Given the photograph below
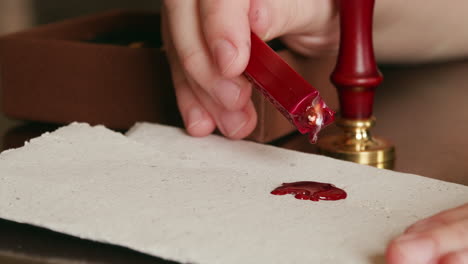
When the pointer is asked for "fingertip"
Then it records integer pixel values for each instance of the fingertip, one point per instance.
(203, 129)
(245, 95)
(252, 113)
(393, 254)
(197, 120)
(259, 20)
(225, 54)
(199, 123)
(458, 257)
(251, 123)
(226, 30)
(231, 57)
(238, 125)
(233, 94)
(411, 248)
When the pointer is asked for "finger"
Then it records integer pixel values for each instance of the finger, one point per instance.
(196, 119)
(274, 18)
(430, 245)
(195, 58)
(239, 125)
(198, 122)
(440, 219)
(225, 24)
(233, 124)
(459, 257)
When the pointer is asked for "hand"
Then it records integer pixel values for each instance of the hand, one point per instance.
(208, 47)
(440, 239)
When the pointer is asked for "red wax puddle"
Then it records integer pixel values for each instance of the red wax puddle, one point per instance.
(309, 190)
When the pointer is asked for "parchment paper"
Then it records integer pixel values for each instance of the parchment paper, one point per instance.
(207, 200)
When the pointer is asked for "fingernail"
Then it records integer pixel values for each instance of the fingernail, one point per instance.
(225, 53)
(233, 122)
(266, 37)
(416, 249)
(195, 116)
(227, 93)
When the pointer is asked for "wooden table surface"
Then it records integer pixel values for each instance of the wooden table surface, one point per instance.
(422, 109)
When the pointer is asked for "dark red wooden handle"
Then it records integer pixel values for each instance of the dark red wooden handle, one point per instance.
(356, 74)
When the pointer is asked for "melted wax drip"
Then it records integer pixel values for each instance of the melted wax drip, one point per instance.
(308, 190)
(315, 117)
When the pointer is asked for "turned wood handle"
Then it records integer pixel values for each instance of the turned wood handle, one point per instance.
(356, 74)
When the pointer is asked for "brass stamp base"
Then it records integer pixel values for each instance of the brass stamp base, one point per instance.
(357, 145)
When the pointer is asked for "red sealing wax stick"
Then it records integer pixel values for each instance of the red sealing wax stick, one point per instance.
(296, 99)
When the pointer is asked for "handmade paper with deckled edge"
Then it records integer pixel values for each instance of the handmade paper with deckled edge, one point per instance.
(206, 200)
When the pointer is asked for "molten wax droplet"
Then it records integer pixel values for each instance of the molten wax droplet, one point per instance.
(312, 116)
(315, 117)
(309, 190)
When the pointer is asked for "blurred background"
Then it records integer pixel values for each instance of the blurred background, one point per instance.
(16, 15)
(19, 14)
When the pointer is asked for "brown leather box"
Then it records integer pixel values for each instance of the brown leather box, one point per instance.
(88, 69)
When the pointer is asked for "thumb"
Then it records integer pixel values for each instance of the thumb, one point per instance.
(274, 18)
